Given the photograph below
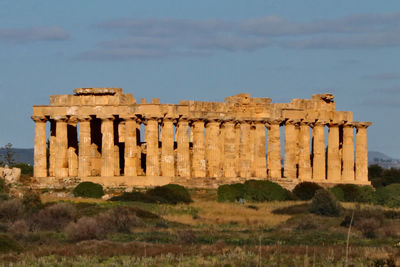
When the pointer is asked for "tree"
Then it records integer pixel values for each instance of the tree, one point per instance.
(9, 155)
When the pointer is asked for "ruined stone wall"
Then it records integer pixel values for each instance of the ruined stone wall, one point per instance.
(97, 134)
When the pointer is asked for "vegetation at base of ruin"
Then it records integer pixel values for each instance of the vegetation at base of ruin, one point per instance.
(325, 203)
(88, 189)
(253, 191)
(382, 177)
(67, 231)
(389, 195)
(166, 194)
(306, 190)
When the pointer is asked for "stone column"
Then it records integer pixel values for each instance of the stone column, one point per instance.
(107, 146)
(361, 152)
(130, 146)
(72, 147)
(237, 148)
(183, 155)
(318, 170)
(229, 151)
(260, 156)
(304, 155)
(289, 169)
(39, 158)
(152, 156)
(167, 148)
(52, 148)
(348, 153)
(61, 164)
(274, 149)
(333, 161)
(199, 162)
(212, 148)
(245, 156)
(84, 159)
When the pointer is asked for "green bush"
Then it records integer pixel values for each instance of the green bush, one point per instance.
(253, 191)
(8, 244)
(25, 168)
(88, 189)
(389, 195)
(354, 193)
(306, 190)
(324, 203)
(259, 191)
(3, 186)
(337, 192)
(134, 196)
(170, 193)
(230, 192)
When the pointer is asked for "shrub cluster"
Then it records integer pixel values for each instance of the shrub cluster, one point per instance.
(389, 195)
(354, 193)
(306, 190)
(325, 203)
(367, 220)
(88, 189)
(253, 191)
(168, 194)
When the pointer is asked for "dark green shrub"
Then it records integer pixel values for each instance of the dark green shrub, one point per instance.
(88, 189)
(230, 192)
(324, 203)
(366, 194)
(306, 190)
(261, 190)
(31, 201)
(3, 186)
(337, 192)
(8, 244)
(11, 210)
(56, 216)
(367, 220)
(389, 195)
(292, 210)
(354, 193)
(170, 193)
(26, 169)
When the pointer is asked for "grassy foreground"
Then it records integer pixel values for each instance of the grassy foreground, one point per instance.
(208, 233)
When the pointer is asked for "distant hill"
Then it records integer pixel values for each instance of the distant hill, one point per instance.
(383, 160)
(24, 155)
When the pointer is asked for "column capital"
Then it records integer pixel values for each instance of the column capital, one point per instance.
(292, 122)
(128, 117)
(348, 124)
(73, 120)
(106, 117)
(270, 122)
(83, 118)
(60, 118)
(39, 118)
(304, 123)
(362, 124)
(318, 123)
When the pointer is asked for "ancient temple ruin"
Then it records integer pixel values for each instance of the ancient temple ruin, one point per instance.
(96, 134)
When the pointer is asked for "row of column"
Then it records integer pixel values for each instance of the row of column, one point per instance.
(220, 149)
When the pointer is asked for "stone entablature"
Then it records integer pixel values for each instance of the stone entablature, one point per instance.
(97, 132)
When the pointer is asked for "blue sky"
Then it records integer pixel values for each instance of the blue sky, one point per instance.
(203, 50)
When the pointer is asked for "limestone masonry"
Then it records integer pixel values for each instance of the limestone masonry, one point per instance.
(97, 135)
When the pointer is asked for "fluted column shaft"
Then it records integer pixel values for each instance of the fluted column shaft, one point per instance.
(304, 155)
(61, 164)
(199, 162)
(152, 157)
(130, 155)
(348, 153)
(229, 149)
(183, 155)
(289, 169)
(107, 147)
(361, 152)
(84, 157)
(72, 147)
(245, 156)
(334, 164)
(260, 155)
(52, 148)
(274, 150)
(212, 148)
(318, 170)
(167, 148)
(39, 158)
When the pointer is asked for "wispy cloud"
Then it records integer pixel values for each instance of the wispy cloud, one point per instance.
(21, 35)
(383, 76)
(149, 38)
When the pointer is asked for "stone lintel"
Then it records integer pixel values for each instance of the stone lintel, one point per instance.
(59, 118)
(362, 124)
